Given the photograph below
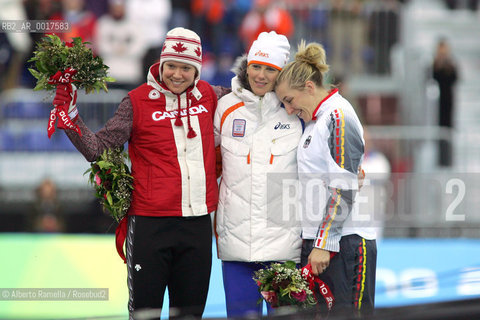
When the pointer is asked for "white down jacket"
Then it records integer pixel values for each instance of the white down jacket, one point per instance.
(258, 142)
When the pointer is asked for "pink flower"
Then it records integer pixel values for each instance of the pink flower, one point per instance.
(299, 296)
(259, 283)
(270, 297)
(98, 181)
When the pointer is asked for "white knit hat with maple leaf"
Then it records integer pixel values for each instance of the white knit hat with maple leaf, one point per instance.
(182, 45)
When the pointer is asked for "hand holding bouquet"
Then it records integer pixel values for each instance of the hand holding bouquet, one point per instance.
(66, 67)
(282, 284)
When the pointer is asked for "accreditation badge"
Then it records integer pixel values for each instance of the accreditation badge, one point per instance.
(238, 128)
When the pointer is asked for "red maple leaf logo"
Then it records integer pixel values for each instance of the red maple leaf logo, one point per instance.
(179, 47)
(198, 51)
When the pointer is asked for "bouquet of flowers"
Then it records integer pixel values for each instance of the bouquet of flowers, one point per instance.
(53, 56)
(110, 176)
(67, 66)
(282, 284)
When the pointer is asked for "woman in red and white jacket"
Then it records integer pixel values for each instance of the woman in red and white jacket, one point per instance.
(168, 124)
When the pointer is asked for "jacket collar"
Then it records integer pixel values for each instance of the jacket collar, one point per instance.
(319, 110)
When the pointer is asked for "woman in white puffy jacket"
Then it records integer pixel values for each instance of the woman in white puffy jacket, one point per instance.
(255, 220)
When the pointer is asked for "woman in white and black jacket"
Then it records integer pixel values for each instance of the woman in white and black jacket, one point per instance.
(258, 142)
(339, 245)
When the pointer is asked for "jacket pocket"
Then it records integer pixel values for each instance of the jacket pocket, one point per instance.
(234, 151)
(285, 144)
(237, 147)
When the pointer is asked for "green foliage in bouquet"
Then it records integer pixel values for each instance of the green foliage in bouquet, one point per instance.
(110, 175)
(282, 284)
(53, 55)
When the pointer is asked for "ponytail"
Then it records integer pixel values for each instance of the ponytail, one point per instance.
(310, 64)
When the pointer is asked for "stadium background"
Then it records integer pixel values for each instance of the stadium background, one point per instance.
(428, 214)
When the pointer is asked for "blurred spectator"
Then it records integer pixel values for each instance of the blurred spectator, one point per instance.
(47, 213)
(37, 10)
(181, 15)
(121, 45)
(6, 52)
(317, 19)
(223, 74)
(152, 18)
(375, 188)
(209, 65)
(97, 7)
(348, 25)
(41, 10)
(445, 73)
(208, 20)
(342, 84)
(234, 13)
(384, 27)
(265, 15)
(90, 219)
(14, 46)
(82, 22)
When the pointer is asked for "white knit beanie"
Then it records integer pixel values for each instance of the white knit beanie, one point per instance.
(270, 49)
(182, 45)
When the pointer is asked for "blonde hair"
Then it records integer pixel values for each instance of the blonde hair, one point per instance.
(310, 64)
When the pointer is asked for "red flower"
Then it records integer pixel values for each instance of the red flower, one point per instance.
(299, 296)
(69, 44)
(284, 283)
(98, 180)
(107, 185)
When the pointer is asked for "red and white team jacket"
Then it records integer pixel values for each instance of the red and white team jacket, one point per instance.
(174, 175)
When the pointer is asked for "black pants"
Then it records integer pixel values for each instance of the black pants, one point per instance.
(173, 252)
(350, 275)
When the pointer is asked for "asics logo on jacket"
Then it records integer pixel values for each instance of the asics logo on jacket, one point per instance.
(282, 126)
